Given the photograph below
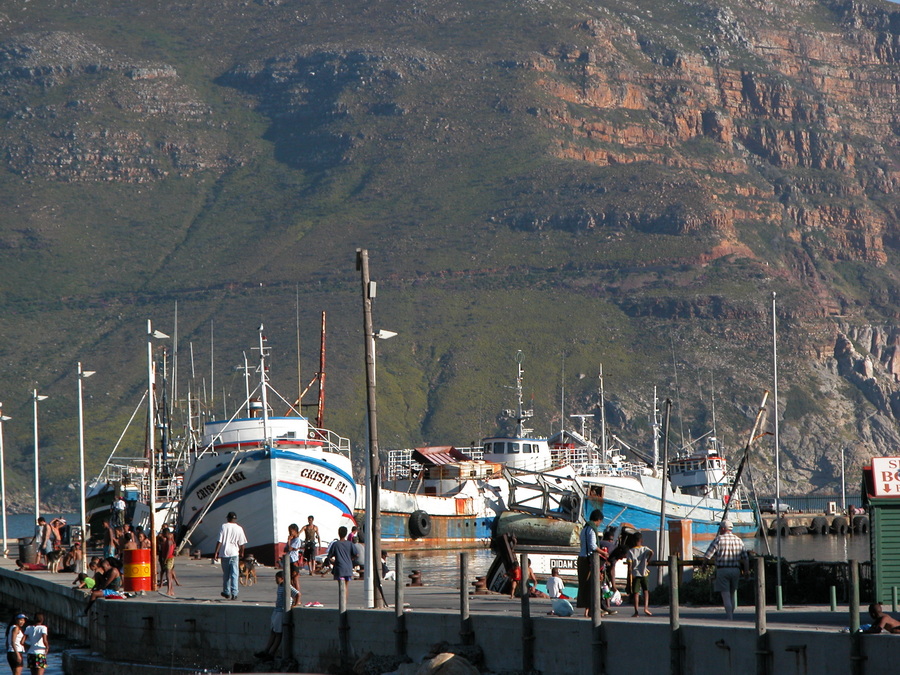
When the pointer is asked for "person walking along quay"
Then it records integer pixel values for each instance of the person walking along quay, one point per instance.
(731, 558)
(231, 545)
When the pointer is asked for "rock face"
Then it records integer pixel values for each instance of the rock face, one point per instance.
(753, 115)
(118, 121)
(623, 178)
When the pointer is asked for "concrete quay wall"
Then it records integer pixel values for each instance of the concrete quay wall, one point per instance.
(169, 636)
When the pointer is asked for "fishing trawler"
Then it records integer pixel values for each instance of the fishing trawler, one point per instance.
(271, 471)
(439, 497)
(695, 486)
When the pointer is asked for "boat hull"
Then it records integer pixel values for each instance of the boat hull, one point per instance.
(639, 502)
(268, 489)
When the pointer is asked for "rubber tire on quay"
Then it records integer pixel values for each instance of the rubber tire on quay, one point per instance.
(781, 524)
(839, 525)
(819, 525)
(419, 524)
(860, 524)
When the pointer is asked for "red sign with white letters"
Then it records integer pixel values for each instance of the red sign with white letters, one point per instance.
(886, 476)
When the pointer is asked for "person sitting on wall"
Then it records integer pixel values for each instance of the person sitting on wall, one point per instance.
(110, 586)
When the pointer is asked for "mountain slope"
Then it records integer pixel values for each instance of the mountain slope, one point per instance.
(623, 184)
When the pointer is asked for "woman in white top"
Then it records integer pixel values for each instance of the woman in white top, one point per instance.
(38, 645)
(15, 644)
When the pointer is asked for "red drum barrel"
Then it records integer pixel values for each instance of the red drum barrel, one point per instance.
(137, 570)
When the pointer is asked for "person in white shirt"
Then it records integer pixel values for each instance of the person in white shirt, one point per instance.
(15, 644)
(555, 585)
(38, 645)
(231, 544)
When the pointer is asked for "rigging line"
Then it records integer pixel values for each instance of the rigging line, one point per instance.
(124, 431)
(677, 390)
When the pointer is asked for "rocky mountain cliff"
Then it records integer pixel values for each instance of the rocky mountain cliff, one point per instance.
(624, 183)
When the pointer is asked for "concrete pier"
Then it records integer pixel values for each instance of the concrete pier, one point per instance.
(200, 630)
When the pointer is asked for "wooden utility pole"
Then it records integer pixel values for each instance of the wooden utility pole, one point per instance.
(373, 536)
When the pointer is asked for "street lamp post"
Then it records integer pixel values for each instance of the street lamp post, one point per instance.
(82, 375)
(37, 469)
(3, 418)
(151, 450)
(779, 514)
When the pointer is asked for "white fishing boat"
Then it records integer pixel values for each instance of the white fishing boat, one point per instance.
(698, 488)
(444, 496)
(271, 471)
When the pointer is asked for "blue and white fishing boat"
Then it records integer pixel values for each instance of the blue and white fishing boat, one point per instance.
(698, 487)
(271, 471)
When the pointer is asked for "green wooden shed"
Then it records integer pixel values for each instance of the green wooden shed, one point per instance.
(881, 495)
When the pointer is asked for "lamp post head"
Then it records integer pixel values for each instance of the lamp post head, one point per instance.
(383, 334)
(158, 334)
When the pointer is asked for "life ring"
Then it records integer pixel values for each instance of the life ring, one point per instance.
(419, 524)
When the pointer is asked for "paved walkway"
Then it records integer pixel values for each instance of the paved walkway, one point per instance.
(201, 582)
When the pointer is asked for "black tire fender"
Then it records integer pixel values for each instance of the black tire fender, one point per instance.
(419, 524)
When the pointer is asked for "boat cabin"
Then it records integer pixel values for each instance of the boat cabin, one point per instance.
(702, 473)
(532, 454)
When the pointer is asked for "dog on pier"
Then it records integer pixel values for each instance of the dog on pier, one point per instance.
(248, 570)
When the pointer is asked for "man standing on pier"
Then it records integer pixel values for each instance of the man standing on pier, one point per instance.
(589, 547)
(311, 543)
(730, 558)
(231, 543)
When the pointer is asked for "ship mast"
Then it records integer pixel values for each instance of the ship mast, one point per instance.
(655, 421)
(521, 414)
(264, 384)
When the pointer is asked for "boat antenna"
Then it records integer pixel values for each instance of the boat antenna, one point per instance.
(521, 413)
(297, 324)
(263, 383)
(320, 411)
(562, 398)
(655, 422)
(212, 362)
(246, 370)
(712, 387)
(175, 358)
(603, 442)
(677, 390)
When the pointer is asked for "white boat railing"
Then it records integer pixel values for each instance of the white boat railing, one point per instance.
(332, 442)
